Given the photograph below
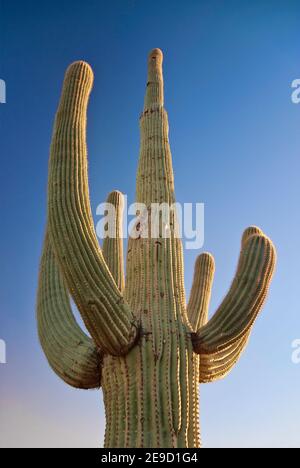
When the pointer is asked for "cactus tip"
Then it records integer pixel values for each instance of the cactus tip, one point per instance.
(206, 257)
(76, 69)
(155, 53)
(250, 231)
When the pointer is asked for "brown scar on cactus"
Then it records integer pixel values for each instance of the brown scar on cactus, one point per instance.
(148, 350)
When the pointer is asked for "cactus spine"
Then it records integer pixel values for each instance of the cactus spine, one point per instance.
(148, 350)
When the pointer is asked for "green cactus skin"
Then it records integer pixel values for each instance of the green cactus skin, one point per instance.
(148, 350)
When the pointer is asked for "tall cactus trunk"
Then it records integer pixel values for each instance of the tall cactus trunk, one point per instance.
(151, 395)
(149, 402)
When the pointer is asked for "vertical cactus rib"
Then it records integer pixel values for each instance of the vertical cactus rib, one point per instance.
(102, 307)
(71, 354)
(242, 304)
(198, 305)
(113, 242)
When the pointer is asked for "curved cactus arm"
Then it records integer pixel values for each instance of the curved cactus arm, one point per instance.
(198, 305)
(217, 365)
(235, 316)
(71, 354)
(113, 243)
(100, 303)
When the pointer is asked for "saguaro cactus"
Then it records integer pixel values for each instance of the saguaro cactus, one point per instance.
(148, 350)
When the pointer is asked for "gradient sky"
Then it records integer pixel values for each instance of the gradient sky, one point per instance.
(234, 136)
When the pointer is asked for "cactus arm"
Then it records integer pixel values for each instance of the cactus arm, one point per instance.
(100, 303)
(71, 354)
(198, 305)
(238, 311)
(216, 366)
(113, 244)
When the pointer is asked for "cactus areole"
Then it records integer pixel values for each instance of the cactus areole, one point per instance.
(148, 349)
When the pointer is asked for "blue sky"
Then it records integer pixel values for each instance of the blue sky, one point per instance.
(234, 135)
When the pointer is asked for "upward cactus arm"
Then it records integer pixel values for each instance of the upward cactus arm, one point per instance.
(71, 354)
(239, 309)
(113, 242)
(198, 305)
(101, 304)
